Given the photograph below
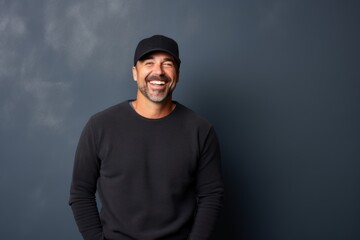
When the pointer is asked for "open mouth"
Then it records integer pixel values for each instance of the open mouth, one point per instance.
(157, 82)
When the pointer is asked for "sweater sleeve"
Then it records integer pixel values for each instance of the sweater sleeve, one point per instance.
(210, 189)
(83, 186)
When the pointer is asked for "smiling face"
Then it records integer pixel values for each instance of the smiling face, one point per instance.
(156, 75)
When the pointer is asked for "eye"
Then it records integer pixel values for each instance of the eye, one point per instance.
(168, 64)
(148, 63)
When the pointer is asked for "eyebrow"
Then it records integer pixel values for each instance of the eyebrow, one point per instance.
(146, 57)
(169, 59)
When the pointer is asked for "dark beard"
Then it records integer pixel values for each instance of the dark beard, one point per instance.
(161, 77)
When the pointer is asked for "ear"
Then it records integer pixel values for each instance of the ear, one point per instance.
(134, 72)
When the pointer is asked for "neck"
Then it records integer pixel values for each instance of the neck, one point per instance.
(153, 110)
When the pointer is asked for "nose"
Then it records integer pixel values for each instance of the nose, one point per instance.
(158, 69)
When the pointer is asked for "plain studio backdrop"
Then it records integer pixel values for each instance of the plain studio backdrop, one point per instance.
(279, 80)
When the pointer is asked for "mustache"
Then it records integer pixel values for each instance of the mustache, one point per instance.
(158, 78)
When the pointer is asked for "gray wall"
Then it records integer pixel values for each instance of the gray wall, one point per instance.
(278, 79)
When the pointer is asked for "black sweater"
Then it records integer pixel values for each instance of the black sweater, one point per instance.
(156, 178)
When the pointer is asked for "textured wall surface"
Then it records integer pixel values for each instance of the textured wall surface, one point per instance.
(280, 81)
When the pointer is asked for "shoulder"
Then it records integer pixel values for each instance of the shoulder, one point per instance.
(191, 117)
(194, 123)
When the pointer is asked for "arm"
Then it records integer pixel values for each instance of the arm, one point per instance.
(209, 189)
(83, 187)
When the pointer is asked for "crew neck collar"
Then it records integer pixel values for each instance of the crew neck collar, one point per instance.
(130, 103)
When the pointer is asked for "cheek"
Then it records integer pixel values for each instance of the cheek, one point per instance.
(176, 79)
(144, 74)
(172, 75)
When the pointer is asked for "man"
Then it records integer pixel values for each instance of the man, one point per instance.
(154, 162)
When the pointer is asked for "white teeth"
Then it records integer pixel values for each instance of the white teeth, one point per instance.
(157, 82)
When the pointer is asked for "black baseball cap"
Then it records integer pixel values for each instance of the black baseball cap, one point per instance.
(157, 43)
